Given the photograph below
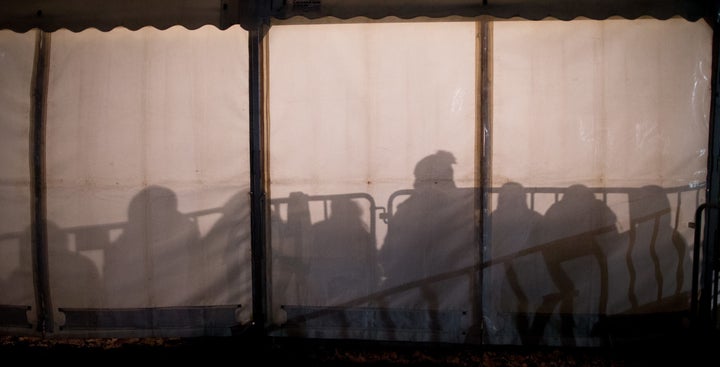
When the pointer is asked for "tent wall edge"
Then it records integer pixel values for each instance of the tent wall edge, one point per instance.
(712, 215)
(258, 180)
(49, 15)
(530, 10)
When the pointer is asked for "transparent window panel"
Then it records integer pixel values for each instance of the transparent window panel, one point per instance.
(600, 132)
(148, 173)
(17, 53)
(372, 121)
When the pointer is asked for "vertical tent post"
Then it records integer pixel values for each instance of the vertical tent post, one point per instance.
(257, 174)
(484, 146)
(704, 267)
(713, 190)
(39, 243)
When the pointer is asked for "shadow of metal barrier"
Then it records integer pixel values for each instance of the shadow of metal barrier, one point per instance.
(181, 320)
(353, 314)
(355, 319)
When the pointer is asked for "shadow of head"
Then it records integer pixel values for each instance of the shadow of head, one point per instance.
(435, 170)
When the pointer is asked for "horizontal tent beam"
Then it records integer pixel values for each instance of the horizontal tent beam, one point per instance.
(50, 15)
(528, 9)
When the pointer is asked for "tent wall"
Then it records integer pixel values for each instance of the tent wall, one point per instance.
(17, 54)
(465, 179)
(359, 112)
(604, 208)
(146, 181)
(606, 172)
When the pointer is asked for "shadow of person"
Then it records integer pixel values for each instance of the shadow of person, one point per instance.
(150, 263)
(74, 279)
(227, 244)
(344, 259)
(19, 286)
(655, 244)
(290, 242)
(511, 276)
(572, 228)
(429, 250)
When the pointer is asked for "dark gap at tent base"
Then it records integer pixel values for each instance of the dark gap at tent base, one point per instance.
(14, 316)
(149, 318)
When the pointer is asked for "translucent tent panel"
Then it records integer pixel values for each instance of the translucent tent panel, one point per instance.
(17, 53)
(367, 119)
(148, 179)
(599, 156)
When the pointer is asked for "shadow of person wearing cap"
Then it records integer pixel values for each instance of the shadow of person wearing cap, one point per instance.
(429, 250)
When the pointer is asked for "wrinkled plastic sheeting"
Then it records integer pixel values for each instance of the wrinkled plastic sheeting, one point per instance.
(599, 154)
(148, 171)
(17, 52)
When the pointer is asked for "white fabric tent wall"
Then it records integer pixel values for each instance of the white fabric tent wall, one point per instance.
(620, 106)
(147, 177)
(146, 128)
(17, 52)
(355, 93)
(628, 98)
(148, 172)
(353, 109)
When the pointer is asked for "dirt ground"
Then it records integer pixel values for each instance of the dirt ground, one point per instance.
(680, 351)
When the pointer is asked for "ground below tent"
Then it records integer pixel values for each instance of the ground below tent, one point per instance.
(680, 350)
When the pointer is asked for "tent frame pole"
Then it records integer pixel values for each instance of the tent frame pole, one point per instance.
(38, 235)
(258, 181)
(708, 320)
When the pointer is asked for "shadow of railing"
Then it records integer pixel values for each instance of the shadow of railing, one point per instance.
(98, 237)
(678, 194)
(104, 230)
(386, 214)
(325, 200)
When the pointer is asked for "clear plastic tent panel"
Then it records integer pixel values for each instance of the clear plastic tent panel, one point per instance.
(17, 297)
(599, 156)
(147, 181)
(372, 121)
